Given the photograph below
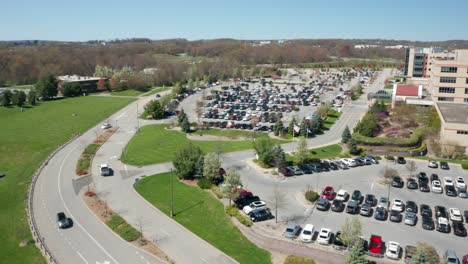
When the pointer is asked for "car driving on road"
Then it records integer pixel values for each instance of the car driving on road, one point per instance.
(62, 220)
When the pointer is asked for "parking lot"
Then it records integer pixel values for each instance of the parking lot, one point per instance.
(368, 180)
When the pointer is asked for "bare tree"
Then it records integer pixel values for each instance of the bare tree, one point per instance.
(389, 174)
(199, 109)
(302, 153)
(351, 230)
(278, 199)
(232, 181)
(411, 166)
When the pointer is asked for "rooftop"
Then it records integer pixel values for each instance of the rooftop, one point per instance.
(454, 113)
(407, 90)
(77, 78)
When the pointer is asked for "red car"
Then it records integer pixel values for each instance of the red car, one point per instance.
(328, 193)
(465, 259)
(375, 245)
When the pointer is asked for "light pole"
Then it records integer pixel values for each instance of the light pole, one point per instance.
(172, 194)
(137, 118)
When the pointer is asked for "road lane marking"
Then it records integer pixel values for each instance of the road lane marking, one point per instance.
(68, 210)
(124, 113)
(79, 254)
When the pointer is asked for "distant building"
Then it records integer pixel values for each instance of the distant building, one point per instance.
(454, 124)
(87, 84)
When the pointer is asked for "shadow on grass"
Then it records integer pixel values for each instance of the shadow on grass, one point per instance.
(188, 208)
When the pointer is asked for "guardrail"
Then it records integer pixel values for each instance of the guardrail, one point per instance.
(39, 241)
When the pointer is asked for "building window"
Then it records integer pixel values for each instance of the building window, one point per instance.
(465, 100)
(466, 80)
(445, 99)
(461, 132)
(446, 90)
(448, 79)
(448, 69)
(466, 90)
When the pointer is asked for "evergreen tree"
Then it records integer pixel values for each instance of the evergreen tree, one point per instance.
(278, 128)
(425, 254)
(18, 98)
(353, 149)
(302, 153)
(181, 117)
(32, 97)
(185, 125)
(211, 166)
(291, 126)
(279, 158)
(356, 255)
(346, 135)
(47, 87)
(304, 128)
(187, 161)
(6, 96)
(155, 109)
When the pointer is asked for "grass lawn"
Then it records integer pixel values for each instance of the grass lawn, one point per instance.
(333, 115)
(233, 133)
(27, 138)
(154, 144)
(129, 92)
(326, 152)
(158, 90)
(202, 214)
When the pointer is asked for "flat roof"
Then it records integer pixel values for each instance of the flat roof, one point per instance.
(454, 113)
(76, 78)
(407, 90)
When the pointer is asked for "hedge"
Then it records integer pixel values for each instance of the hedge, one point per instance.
(123, 229)
(234, 212)
(311, 196)
(412, 141)
(204, 183)
(418, 149)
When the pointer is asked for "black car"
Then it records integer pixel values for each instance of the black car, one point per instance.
(412, 184)
(465, 214)
(337, 206)
(333, 166)
(315, 167)
(401, 160)
(352, 207)
(380, 214)
(261, 215)
(245, 200)
(62, 220)
(398, 182)
(424, 187)
(285, 171)
(359, 162)
(425, 210)
(444, 165)
(305, 169)
(440, 211)
(395, 216)
(422, 177)
(427, 223)
(323, 204)
(370, 200)
(434, 177)
(411, 207)
(459, 229)
(450, 190)
(325, 165)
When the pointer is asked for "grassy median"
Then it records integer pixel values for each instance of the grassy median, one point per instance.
(155, 144)
(202, 214)
(27, 138)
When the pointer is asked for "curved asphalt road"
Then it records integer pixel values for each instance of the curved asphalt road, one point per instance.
(90, 241)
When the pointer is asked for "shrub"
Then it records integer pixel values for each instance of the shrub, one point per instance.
(311, 196)
(123, 229)
(378, 157)
(298, 260)
(243, 220)
(464, 166)
(413, 140)
(217, 192)
(389, 157)
(418, 149)
(91, 149)
(204, 183)
(234, 212)
(231, 210)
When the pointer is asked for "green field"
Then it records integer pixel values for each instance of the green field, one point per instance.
(326, 152)
(27, 138)
(204, 215)
(158, 90)
(129, 92)
(154, 144)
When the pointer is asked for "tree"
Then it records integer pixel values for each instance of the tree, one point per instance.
(389, 174)
(199, 109)
(6, 97)
(181, 117)
(18, 98)
(291, 127)
(411, 166)
(278, 128)
(279, 157)
(71, 89)
(211, 166)
(32, 97)
(102, 84)
(47, 87)
(302, 153)
(425, 254)
(278, 199)
(185, 125)
(346, 135)
(353, 149)
(351, 231)
(186, 161)
(356, 255)
(155, 109)
(322, 110)
(232, 181)
(263, 147)
(304, 128)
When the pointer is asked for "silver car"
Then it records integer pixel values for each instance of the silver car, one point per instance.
(410, 218)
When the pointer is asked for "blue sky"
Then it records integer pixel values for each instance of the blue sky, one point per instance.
(241, 19)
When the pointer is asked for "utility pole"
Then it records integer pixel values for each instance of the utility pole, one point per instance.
(137, 117)
(172, 195)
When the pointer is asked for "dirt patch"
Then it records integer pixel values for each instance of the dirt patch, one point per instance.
(278, 258)
(101, 210)
(189, 182)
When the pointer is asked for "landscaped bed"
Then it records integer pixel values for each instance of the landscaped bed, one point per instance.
(203, 214)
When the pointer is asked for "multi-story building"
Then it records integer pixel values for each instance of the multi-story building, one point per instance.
(419, 61)
(454, 124)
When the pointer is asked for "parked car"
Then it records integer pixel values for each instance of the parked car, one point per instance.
(450, 257)
(352, 207)
(366, 210)
(324, 236)
(411, 207)
(444, 165)
(307, 233)
(383, 202)
(448, 181)
(253, 206)
(393, 250)
(465, 215)
(459, 229)
(349, 162)
(380, 213)
(455, 215)
(342, 195)
(424, 187)
(63, 221)
(460, 183)
(323, 204)
(295, 170)
(397, 205)
(338, 242)
(411, 184)
(440, 211)
(328, 193)
(356, 196)
(425, 210)
(305, 169)
(375, 244)
(370, 199)
(285, 171)
(434, 177)
(106, 126)
(372, 159)
(261, 215)
(450, 191)
(436, 187)
(432, 164)
(315, 167)
(443, 225)
(401, 160)
(398, 182)
(395, 216)
(427, 223)
(292, 230)
(462, 193)
(337, 206)
(244, 200)
(411, 218)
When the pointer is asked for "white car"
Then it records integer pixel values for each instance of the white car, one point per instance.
(342, 195)
(106, 126)
(436, 186)
(448, 181)
(397, 205)
(307, 233)
(349, 162)
(253, 206)
(432, 164)
(324, 236)
(393, 250)
(460, 183)
(455, 215)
